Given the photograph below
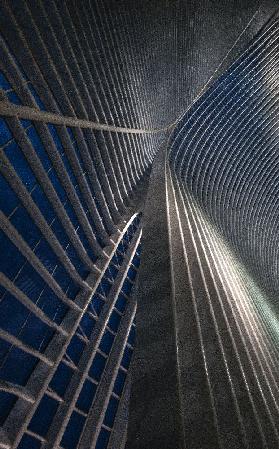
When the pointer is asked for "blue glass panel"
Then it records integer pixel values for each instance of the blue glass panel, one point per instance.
(105, 286)
(43, 416)
(76, 148)
(136, 261)
(9, 201)
(52, 306)
(70, 172)
(115, 260)
(10, 265)
(5, 133)
(114, 321)
(119, 382)
(29, 442)
(137, 219)
(126, 237)
(73, 256)
(71, 134)
(125, 362)
(38, 147)
(87, 324)
(124, 245)
(13, 314)
(43, 204)
(61, 379)
(97, 304)
(72, 215)
(60, 233)
(91, 221)
(25, 226)
(121, 303)
(58, 188)
(106, 342)
(100, 290)
(132, 336)
(73, 431)
(134, 226)
(127, 287)
(20, 165)
(86, 396)
(108, 274)
(9, 370)
(7, 401)
(4, 84)
(132, 273)
(130, 235)
(85, 243)
(75, 349)
(4, 349)
(63, 279)
(111, 412)
(56, 138)
(13, 97)
(103, 439)
(121, 247)
(30, 282)
(119, 257)
(25, 123)
(36, 333)
(44, 252)
(72, 290)
(113, 271)
(97, 367)
(36, 97)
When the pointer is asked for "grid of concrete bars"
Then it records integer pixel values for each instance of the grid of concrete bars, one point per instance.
(89, 191)
(29, 397)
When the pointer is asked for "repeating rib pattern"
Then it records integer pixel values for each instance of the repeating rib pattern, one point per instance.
(89, 91)
(72, 175)
(225, 151)
(223, 189)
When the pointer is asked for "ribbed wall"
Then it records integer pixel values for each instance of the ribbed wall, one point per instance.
(227, 334)
(207, 322)
(70, 231)
(225, 150)
(224, 159)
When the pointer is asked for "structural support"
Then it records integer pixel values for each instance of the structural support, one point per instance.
(155, 415)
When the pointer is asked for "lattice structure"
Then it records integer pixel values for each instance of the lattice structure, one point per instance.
(214, 368)
(70, 241)
(93, 95)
